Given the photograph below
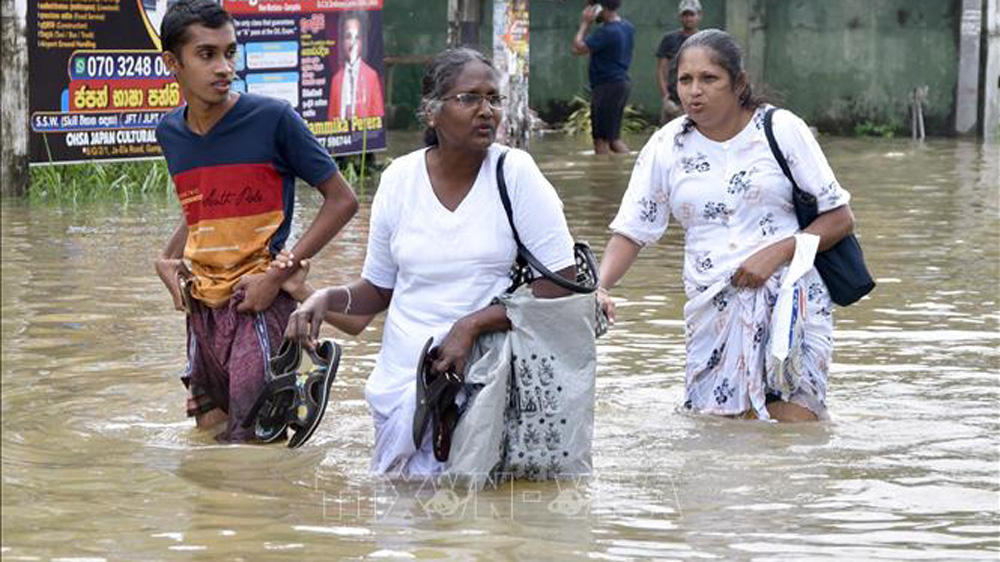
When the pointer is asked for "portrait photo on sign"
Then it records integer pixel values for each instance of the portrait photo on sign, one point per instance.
(356, 67)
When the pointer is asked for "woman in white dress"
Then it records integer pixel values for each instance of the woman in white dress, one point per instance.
(440, 249)
(712, 169)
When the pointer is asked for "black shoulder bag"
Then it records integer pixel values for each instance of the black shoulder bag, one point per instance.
(587, 276)
(842, 267)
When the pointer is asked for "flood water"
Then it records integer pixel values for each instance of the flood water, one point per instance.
(100, 463)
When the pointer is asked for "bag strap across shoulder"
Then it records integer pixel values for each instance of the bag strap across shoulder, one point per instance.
(806, 207)
(523, 254)
(773, 143)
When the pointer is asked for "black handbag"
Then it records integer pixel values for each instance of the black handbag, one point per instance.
(588, 277)
(842, 267)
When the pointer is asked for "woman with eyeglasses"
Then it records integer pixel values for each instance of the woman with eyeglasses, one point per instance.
(439, 250)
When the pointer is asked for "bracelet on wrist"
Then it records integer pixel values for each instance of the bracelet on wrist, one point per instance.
(347, 307)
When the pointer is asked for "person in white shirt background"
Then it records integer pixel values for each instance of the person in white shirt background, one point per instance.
(440, 249)
(713, 170)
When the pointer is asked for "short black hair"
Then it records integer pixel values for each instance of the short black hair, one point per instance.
(610, 5)
(184, 14)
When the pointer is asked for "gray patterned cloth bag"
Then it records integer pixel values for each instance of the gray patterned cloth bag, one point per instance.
(529, 412)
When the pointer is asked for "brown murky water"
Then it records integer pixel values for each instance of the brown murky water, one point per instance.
(99, 462)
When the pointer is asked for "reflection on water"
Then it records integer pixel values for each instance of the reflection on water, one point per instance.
(99, 461)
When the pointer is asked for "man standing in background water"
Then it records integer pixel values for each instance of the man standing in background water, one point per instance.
(610, 50)
(689, 14)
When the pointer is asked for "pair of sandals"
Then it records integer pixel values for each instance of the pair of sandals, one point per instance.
(292, 397)
(436, 393)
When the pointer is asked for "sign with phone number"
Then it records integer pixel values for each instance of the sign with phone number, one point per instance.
(110, 65)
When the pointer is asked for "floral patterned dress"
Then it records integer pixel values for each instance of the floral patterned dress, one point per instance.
(732, 200)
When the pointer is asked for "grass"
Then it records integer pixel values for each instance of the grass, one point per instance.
(93, 181)
(146, 179)
(578, 122)
(869, 128)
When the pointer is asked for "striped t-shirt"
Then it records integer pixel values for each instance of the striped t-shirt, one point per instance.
(236, 186)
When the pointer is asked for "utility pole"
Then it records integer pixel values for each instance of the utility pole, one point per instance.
(967, 94)
(464, 17)
(13, 97)
(991, 72)
(510, 56)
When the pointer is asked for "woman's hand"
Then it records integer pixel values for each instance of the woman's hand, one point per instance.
(453, 353)
(760, 266)
(607, 304)
(295, 285)
(305, 322)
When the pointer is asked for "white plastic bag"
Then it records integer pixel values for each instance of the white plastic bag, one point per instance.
(788, 315)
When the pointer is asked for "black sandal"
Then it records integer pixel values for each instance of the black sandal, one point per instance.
(435, 402)
(269, 413)
(312, 393)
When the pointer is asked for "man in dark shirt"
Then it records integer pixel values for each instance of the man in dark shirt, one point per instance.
(689, 13)
(610, 50)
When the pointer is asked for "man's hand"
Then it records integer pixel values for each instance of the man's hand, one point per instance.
(589, 14)
(171, 271)
(259, 292)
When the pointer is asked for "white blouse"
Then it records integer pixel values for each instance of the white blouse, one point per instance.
(443, 265)
(731, 197)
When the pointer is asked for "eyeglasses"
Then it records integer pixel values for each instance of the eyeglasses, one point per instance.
(470, 99)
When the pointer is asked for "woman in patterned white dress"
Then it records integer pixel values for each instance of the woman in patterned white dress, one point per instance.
(713, 170)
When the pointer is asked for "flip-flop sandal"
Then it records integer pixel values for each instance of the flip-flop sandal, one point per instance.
(269, 413)
(421, 414)
(445, 416)
(434, 394)
(312, 392)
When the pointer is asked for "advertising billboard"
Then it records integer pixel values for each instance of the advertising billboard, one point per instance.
(98, 86)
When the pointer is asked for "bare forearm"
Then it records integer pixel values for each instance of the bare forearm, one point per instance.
(619, 255)
(579, 46)
(339, 206)
(175, 245)
(359, 298)
(544, 289)
(493, 318)
(347, 323)
(662, 66)
(832, 226)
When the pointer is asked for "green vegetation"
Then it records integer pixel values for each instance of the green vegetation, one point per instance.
(578, 122)
(361, 170)
(870, 128)
(91, 181)
(146, 179)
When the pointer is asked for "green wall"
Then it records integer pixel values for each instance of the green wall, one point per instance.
(835, 62)
(847, 61)
(410, 27)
